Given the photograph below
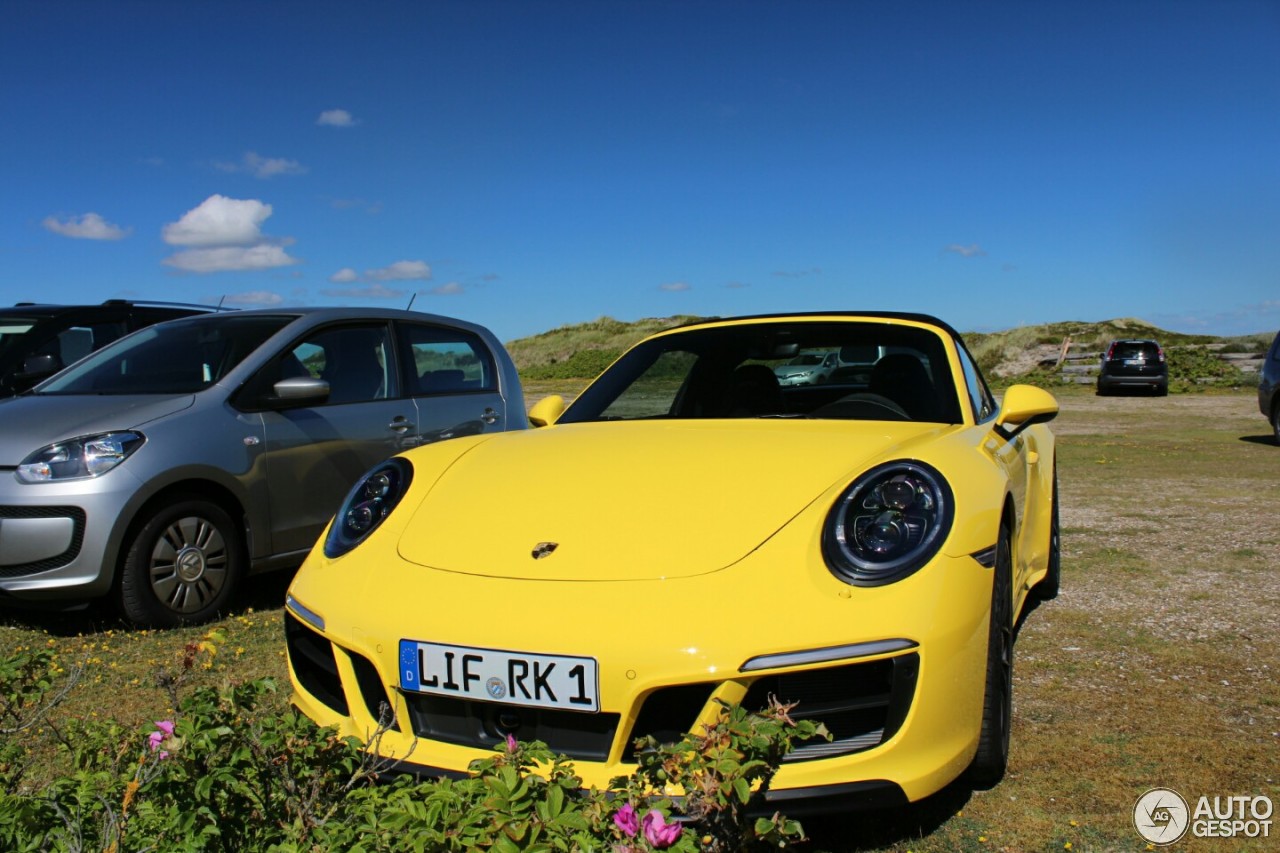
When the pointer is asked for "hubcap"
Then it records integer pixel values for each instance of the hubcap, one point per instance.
(189, 564)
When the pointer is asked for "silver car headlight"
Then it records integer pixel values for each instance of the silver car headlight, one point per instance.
(79, 458)
(888, 524)
(368, 503)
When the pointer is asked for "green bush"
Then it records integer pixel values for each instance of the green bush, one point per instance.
(225, 775)
(583, 364)
(1192, 367)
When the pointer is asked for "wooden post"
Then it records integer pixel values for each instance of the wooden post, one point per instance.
(1062, 356)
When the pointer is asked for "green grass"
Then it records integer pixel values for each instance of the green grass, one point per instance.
(1155, 667)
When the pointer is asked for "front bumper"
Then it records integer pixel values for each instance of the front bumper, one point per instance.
(58, 540)
(903, 699)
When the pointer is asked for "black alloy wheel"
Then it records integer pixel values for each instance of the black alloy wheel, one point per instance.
(1048, 589)
(992, 757)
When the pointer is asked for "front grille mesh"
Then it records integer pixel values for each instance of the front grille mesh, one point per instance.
(861, 704)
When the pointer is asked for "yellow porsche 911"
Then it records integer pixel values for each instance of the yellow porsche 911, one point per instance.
(687, 531)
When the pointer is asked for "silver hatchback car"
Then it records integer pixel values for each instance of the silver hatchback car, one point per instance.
(165, 468)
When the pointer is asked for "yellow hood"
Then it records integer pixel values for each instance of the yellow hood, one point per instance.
(634, 500)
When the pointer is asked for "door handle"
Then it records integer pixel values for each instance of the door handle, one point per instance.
(489, 416)
(399, 424)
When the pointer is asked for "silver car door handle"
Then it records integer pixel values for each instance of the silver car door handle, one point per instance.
(400, 424)
(489, 416)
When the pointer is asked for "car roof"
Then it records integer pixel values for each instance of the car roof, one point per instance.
(319, 314)
(52, 309)
(859, 315)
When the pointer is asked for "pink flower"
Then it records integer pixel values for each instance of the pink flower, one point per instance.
(626, 820)
(511, 743)
(164, 731)
(658, 832)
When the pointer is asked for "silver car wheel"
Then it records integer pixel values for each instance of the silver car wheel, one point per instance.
(188, 565)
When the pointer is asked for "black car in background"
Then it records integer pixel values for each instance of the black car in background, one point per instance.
(1134, 364)
(1268, 382)
(36, 341)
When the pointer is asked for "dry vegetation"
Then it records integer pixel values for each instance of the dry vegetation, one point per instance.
(1155, 667)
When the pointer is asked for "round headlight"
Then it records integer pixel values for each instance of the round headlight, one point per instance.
(888, 524)
(370, 501)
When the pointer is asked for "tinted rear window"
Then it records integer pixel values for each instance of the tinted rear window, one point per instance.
(1135, 349)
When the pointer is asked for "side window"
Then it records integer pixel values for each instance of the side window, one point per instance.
(75, 342)
(442, 360)
(79, 341)
(356, 361)
(984, 405)
(653, 394)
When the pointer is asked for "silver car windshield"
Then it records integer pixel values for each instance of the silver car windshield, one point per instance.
(178, 357)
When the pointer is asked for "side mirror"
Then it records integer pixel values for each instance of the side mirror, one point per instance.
(40, 366)
(298, 391)
(547, 411)
(1022, 406)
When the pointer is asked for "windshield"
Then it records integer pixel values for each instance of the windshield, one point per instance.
(812, 358)
(730, 372)
(178, 357)
(13, 328)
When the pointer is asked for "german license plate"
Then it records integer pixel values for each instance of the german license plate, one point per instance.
(496, 675)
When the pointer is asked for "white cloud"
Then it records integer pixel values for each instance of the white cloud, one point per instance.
(798, 273)
(91, 226)
(372, 291)
(401, 271)
(973, 250)
(263, 256)
(370, 207)
(253, 297)
(336, 118)
(450, 289)
(675, 286)
(255, 164)
(219, 221)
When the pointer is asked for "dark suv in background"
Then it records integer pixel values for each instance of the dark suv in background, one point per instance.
(1268, 382)
(36, 341)
(1134, 364)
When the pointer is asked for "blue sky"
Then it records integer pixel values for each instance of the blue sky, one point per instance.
(530, 164)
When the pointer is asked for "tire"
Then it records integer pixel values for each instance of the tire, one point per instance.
(1048, 589)
(1275, 422)
(182, 565)
(992, 757)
